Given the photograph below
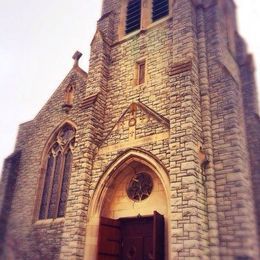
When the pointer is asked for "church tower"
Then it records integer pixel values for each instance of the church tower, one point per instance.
(151, 154)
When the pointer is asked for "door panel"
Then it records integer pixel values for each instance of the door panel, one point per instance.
(148, 248)
(109, 239)
(132, 248)
(139, 238)
(158, 236)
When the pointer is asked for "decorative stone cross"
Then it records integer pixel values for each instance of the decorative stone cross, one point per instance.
(77, 55)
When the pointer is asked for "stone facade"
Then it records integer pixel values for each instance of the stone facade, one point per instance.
(193, 124)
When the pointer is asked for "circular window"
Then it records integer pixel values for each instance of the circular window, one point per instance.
(140, 187)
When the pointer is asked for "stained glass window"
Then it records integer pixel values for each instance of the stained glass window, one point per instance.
(48, 174)
(65, 184)
(140, 187)
(57, 174)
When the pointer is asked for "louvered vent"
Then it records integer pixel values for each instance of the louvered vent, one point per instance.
(133, 19)
(160, 9)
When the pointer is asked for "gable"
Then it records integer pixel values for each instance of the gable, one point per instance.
(136, 125)
(77, 79)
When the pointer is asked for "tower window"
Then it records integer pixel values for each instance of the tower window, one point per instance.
(133, 19)
(160, 9)
(140, 72)
(57, 174)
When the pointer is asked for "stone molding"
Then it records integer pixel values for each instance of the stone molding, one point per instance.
(180, 67)
(89, 101)
(132, 109)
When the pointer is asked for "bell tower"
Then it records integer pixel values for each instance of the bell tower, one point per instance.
(168, 77)
(168, 80)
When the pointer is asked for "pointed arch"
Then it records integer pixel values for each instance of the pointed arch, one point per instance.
(53, 134)
(56, 164)
(120, 162)
(69, 95)
(103, 191)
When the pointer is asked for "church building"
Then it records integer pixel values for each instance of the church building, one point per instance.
(154, 153)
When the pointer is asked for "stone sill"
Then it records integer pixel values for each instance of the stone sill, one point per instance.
(46, 222)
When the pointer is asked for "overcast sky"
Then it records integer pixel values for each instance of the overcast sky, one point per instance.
(37, 41)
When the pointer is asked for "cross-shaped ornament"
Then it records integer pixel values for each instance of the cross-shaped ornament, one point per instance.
(77, 55)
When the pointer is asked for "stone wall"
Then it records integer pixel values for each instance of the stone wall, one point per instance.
(251, 118)
(32, 138)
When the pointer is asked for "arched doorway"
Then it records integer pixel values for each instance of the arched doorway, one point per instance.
(128, 216)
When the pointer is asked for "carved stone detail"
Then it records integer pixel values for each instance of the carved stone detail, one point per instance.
(140, 187)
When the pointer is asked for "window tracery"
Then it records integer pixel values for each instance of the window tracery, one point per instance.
(140, 187)
(57, 174)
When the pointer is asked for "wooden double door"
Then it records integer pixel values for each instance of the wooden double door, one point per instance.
(140, 238)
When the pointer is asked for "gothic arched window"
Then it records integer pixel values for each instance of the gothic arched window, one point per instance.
(57, 174)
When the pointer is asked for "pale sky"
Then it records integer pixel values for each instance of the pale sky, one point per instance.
(37, 41)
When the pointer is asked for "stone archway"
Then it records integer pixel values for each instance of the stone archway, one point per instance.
(110, 199)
